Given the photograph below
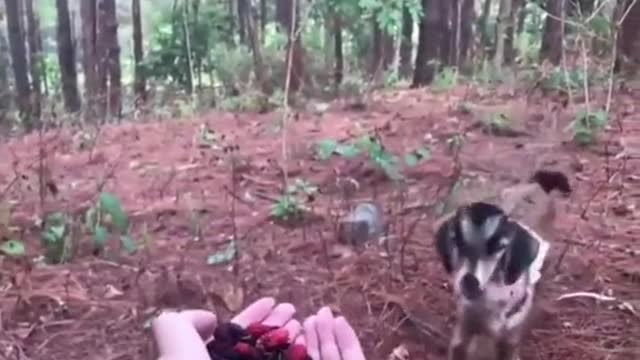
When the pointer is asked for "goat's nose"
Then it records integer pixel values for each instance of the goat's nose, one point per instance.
(470, 287)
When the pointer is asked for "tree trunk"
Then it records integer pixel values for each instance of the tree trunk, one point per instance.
(628, 58)
(446, 48)
(5, 91)
(256, 50)
(19, 61)
(263, 19)
(90, 59)
(338, 71)
(35, 59)
(483, 26)
(110, 77)
(383, 50)
(501, 33)
(406, 43)
(553, 32)
(461, 31)
(243, 11)
(517, 7)
(139, 82)
(287, 10)
(430, 34)
(67, 58)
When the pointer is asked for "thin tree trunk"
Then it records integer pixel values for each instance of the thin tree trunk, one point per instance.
(263, 19)
(552, 34)
(243, 10)
(430, 34)
(406, 43)
(461, 31)
(446, 48)
(509, 47)
(256, 50)
(628, 57)
(483, 25)
(187, 49)
(67, 58)
(286, 11)
(140, 82)
(5, 91)
(35, 59)
(110, 76)
(338, 71)
(501, 33)
(90, 58)
(19, 61)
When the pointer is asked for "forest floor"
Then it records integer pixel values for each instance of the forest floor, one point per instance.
(179, 194)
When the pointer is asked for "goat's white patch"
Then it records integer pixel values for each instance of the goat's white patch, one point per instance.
(471, 232)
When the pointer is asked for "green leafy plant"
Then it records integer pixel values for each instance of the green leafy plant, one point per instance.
(445, 79)
(55, 238)
(290, 206)
(586, 126)
(107, 217)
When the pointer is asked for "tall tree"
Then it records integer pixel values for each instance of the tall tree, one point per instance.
(501, 32)
(109, 69)
(5, 92)
(287, 14)
(517, 7)
(139, 83)
(338, 70)
(628, 56)
(243, 14)
(553, 32)
(67, 58)
(483, 25)
(89, 16)
(35, 59)
(406, 43)
(263, 18)
(19, 61)
(431, 32)
(256, 49)
(462, 17)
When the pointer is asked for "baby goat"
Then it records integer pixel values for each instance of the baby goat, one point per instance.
(495, 261)
(489, 255)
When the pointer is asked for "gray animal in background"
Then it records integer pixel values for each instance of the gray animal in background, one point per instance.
(365, 223)
(494, 261)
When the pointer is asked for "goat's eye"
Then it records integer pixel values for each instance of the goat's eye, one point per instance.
(495, 244)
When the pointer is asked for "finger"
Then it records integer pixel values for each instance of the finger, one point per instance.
(280, 315)
(300, 340)
(203, 321)
(328, 347)
(294, 328)
(311, 337)
(255, 312)
(177, 338)
(347, 340)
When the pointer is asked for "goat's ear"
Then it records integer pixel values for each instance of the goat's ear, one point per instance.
(521, 253)
(445, 244)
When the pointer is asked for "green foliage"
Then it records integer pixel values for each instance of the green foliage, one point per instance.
(290, 206)
(372, 147)
(107, 217)
(586, 126)
(445, 79)
(13, 248)
(55, 239)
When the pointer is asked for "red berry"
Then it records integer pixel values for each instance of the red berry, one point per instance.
(297, 352)
(275, 340)
(256, 330)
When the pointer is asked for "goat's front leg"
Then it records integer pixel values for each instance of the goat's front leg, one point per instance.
(460, 341)
(507, 348)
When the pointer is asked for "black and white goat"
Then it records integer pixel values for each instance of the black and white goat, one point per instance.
(495, 262)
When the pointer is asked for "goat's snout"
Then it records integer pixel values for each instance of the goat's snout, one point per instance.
(470, 287)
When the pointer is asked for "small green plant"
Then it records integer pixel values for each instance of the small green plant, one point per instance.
(445, 79)
(290, 206)
(55, 238)
(586, 126)
(105, 217)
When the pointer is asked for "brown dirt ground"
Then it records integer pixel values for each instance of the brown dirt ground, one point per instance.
(96, 308)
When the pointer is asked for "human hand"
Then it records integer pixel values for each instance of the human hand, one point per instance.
(329, 338)
(182, 335)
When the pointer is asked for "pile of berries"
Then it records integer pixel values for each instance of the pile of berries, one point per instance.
(256, 342)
